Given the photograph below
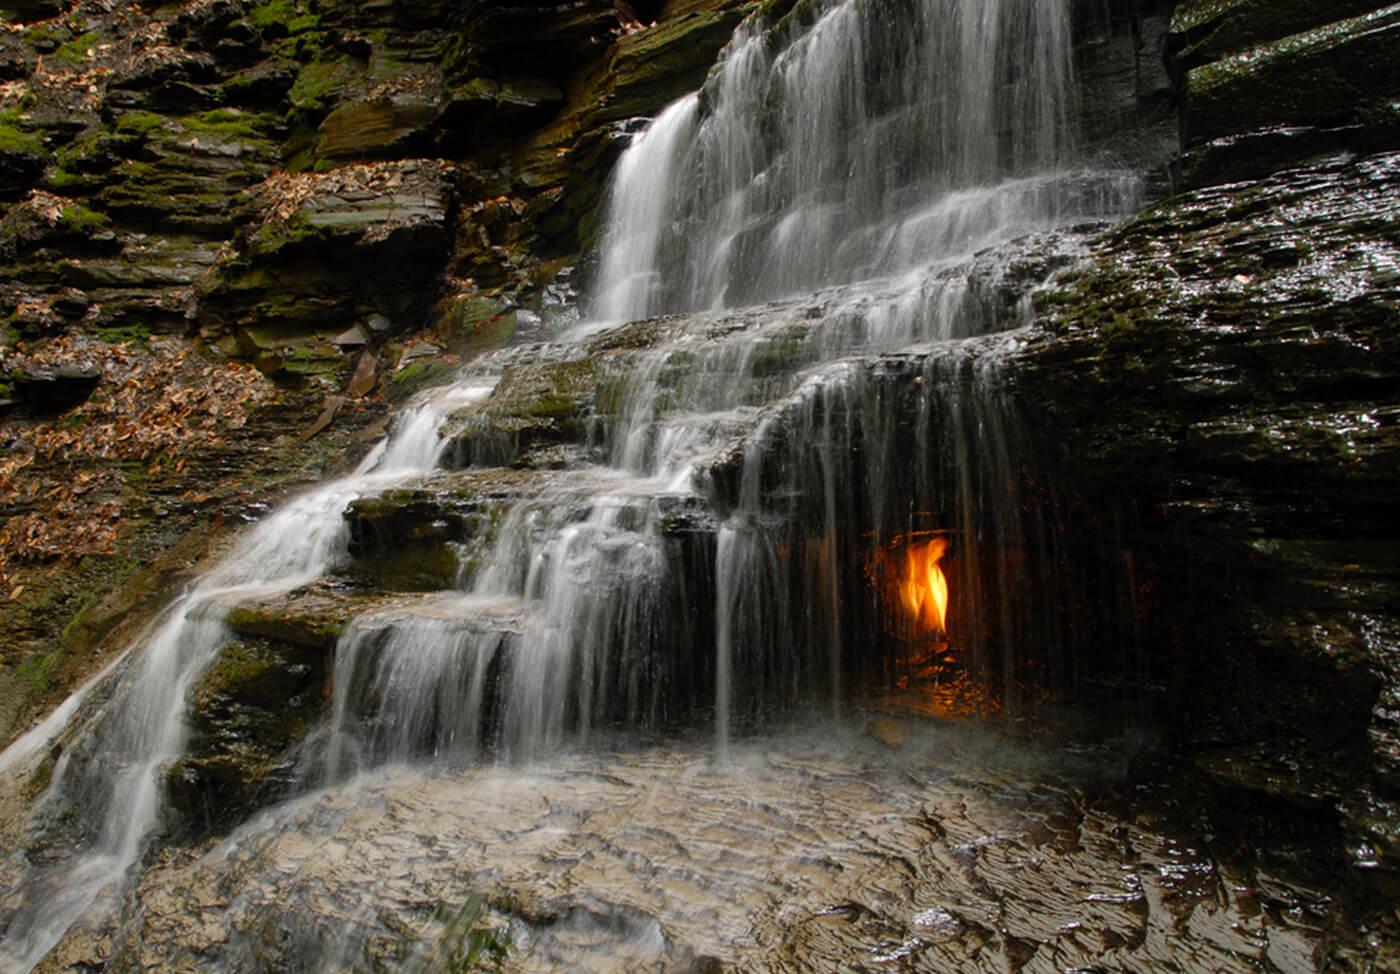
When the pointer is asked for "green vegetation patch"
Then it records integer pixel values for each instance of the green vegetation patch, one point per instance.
(80, 219)
(283, 15)
(124, 334)
(277, 234)
(45, 36)
(16, 139)
(138, 123)
(229, 123)
(36, 671)
(465, 944)
(75, 52)
(320, 79)
(471, 323)
(417, 375)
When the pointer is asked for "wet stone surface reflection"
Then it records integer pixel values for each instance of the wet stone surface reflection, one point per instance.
(942, 847)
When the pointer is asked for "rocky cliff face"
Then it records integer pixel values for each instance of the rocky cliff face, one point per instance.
(1225, 365)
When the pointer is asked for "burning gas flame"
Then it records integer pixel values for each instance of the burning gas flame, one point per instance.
(925, 588)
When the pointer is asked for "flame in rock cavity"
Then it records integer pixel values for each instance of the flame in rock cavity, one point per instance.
(925, 588)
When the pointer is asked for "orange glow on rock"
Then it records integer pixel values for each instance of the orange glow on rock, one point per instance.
(924, 591)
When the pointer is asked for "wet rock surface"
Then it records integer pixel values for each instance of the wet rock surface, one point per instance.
(1226, 360)
(800, 855)
(1266, 87)
(248, 712)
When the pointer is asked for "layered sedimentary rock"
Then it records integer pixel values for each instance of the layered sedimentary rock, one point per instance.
(1225, 362)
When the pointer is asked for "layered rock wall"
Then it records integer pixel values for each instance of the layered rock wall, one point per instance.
(1225, 367)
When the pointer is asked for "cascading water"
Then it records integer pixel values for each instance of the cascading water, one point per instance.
(709, 552)
(106, 792)
(838, 146)
(853, 140)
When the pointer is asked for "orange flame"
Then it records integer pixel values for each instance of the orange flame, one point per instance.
(925, 588)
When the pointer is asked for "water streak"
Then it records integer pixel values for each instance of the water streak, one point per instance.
(106, 797)
(851, 142)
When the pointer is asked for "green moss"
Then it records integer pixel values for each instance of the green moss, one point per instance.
(166, 189)
(464, 945)
(72, 633)
(42, 778)
(415, 376)
(415, 567)
(1118, 325)
(77, 163)
(138, 123)
(318, 80)
(246, 670)
(16, 139)
(227, 123)
(62, 181)
(302, 157)
(80, 219)
(46, 36)
(283, 15)
(472, 323)
(275, 235)
(37, 670)
(272, 13)
(224, 123)
(124, 334)
(75, 52)
(310, 628)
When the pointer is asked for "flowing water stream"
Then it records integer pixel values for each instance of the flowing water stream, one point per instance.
(844, 227)
(106, 794)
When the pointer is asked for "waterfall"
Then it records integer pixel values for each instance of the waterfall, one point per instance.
(639, 217)
(106, 792)
(852, 140)
(849, 165)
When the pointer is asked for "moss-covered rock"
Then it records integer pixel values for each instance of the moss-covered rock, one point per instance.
(312, 617)
(375, 129)
(189, 173)
(1265, 89)
(472, 323)
(330, 251)
(413, 377)
(1331, 75)
(1208, 30)
(23, 155)
(247, 711)
(534, 404)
